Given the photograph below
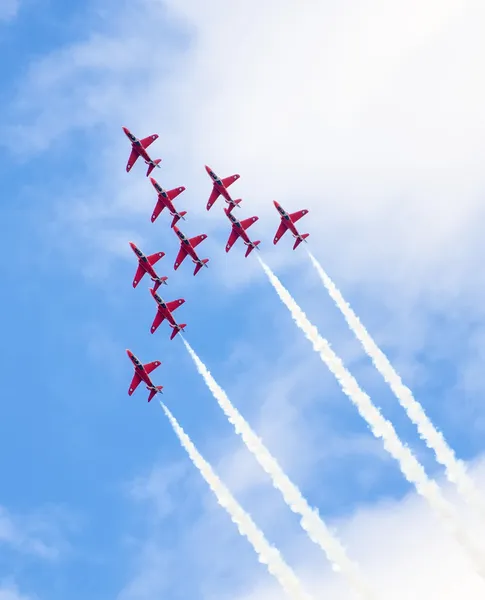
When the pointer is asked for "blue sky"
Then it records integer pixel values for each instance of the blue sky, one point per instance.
(370, 118)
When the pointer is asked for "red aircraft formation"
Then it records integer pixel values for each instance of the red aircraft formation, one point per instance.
(146, 264)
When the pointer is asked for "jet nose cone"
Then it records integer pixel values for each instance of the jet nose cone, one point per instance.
(275, 203)
(129, 352)
(153, 181)
(208, 169)
(132, 245)
(126, 130)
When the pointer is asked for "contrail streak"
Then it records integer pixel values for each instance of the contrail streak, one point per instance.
(380, 427)
(454, 468)
(267, 554)
(310, 521)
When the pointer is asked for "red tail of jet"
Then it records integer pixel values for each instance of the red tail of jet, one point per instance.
(152, 165)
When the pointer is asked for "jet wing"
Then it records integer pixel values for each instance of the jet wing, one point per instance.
(296, 216)
(213, 197)
(135, 382)
(246, 223)
(180, 257)
(149, 367)
(227, 181)
(159, 206)
(145, 142)
(172, 194)
(195, 241)
(154, 258)
(175, 304)
(138, 275)
(232, 238)
(157, 321)
(132, 160)
(280, 231)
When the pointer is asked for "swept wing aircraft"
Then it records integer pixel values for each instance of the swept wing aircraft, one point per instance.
(138, 148)
(165, 200)
(239, 230)
(288, 223)
(142, 374)
(187, 246)
(220, 189)
(145, 265)
(164, 311)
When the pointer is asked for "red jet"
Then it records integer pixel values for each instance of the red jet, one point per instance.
(220, 188)
(165, 312)
(287, 222)
(239, 230)
(145, 265)
(142, 374)
(187, 248)
(138, 148)
(165, 199)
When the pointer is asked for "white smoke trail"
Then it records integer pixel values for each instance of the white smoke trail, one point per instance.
(380, 427)
(455, 469)
(267, 554)
(311, 522)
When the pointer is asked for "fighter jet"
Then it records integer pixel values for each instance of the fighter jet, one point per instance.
(165, 199)
(287, 222)
(239, 230)
(138, 148)
(187, 246)
(220, 188)
(142, 374)
(164, 311)
(145, 265)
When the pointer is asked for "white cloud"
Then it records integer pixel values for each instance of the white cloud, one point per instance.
(8, 11)
(400, 546)
(370, 114)
(37, 534)
(11, 592)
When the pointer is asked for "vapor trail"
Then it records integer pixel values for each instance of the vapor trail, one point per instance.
(381, 428)
(311, 522)
(267, 554)
(455, 470)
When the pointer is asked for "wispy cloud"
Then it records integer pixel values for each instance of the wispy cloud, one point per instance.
(37, 534)
(11, 592)
(9, 9)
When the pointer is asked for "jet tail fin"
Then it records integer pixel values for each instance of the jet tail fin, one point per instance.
(199, 266)
(156, 163)
(179, 327)
(158, 282)
(158, 390)
(178, 216)
(299, 240)
(251, 248)
(234, 203)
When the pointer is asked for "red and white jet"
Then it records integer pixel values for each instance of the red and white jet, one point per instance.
(145, 265)
(239, 230)
(187, 246)
(220, 188)
(164, 311)
(165, 199)
(138, 148)
(287, 222)
(142, 374)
